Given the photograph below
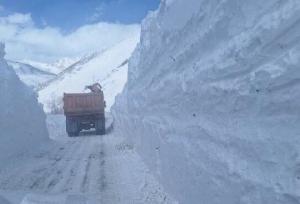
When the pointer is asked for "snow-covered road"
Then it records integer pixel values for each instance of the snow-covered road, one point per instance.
(86, 169)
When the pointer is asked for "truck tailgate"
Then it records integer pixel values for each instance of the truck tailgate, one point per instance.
(83, 103)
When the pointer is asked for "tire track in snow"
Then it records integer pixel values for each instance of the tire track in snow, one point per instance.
(53, 169)
(83, 161)
(101, 181)
(85, 180)
(87, 168)
(57, 182)
(70, 170)
(27, 173)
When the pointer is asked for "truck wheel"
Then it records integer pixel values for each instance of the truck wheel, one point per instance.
(100, 126)
(71, 134)
(72, 127)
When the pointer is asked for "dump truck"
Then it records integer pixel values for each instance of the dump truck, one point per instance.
(84, 111)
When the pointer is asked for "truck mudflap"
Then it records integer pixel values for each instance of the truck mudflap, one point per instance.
(72, 127)
(100, 126)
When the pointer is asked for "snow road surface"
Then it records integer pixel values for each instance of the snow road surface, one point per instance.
(87, 170)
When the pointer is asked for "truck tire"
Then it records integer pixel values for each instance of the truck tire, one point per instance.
(100, 126)
(72, 127)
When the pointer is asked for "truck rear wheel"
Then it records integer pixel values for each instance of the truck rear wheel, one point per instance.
(100, 126)
(72, 127)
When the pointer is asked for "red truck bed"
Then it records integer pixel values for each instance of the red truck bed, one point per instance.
(83, 103)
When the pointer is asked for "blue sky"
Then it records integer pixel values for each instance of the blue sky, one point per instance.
(68, 15)
(47, 30)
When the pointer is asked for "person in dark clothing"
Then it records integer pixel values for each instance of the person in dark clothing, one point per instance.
(95, 88)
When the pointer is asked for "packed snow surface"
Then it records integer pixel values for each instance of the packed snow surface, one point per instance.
(108, 67)
(22, 121)
(212, 101)
(87, 169)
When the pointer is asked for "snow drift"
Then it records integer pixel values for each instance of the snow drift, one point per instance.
(54, 67)
(22, 121)
(108, 67)
(212, 101)
(31, 76)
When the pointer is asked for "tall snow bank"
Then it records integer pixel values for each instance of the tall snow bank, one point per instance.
(22, 121)
(212, 101)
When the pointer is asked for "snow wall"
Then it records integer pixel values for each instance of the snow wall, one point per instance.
(22, 121)
(212, 101)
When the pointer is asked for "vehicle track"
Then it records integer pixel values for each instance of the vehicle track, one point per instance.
(91, 169)
(67, 169)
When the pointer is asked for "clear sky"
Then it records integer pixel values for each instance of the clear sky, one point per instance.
(71, 14)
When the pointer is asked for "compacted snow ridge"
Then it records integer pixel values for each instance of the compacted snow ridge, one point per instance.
(22, 121)
(212, 102)
(86, 169)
